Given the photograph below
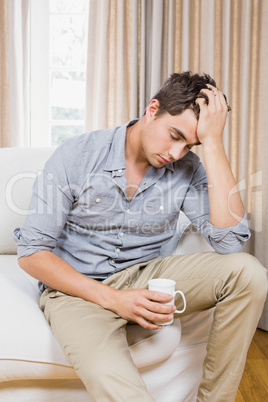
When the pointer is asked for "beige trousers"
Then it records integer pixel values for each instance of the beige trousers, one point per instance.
(95, 342)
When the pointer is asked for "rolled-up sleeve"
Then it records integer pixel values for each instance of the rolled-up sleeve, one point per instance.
(196, 208)
(51, 201)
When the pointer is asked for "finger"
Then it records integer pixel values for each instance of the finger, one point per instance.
(153, 317)
(220, 101)
(207, 97)
(221, 96)
(148, 319)
(214, 90)
(202, 103)
(155, 303)
(211, 87)
(159, 308)
(209, 92)
(215, 98)
(148, 325)
(158, 296)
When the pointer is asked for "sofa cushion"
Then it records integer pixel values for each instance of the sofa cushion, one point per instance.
(23, 167)
(28, 349)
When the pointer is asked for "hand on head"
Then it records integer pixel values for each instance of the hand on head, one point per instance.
(212, 117)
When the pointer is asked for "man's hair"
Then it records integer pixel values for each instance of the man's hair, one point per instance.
(180, 91)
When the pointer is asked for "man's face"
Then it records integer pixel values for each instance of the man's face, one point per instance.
(167, 138)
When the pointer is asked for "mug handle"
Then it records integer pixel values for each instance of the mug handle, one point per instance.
(184, 301)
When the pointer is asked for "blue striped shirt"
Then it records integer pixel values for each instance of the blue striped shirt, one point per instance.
(80, 210)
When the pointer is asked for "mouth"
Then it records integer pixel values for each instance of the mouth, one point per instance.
(163, 160)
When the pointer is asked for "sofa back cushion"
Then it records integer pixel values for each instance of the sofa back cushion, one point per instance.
(19, 168)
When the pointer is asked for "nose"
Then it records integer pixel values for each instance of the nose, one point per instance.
(177, 151)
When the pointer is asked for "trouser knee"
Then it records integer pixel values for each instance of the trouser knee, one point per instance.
(108, 378)
(99, 364)
(250, 275)
(93, 369)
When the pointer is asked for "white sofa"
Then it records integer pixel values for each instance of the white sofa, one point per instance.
(33, 366)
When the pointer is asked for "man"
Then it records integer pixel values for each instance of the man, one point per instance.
(105, 204)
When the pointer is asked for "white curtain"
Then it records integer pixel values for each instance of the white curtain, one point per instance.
(19, 14)
(131, 50)
(133, 47)
(4, 90)
(14, 78)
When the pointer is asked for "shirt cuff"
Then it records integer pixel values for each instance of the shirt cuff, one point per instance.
(28, 247)
(240, 231)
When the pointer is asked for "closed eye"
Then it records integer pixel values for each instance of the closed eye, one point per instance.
(174, 138)
(180, 139)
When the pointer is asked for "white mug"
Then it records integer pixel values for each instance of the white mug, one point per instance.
(167, 286)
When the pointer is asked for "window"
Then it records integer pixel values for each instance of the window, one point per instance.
(58, 62)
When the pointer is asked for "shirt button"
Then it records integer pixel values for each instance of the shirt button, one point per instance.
(121, 234)
(113, 261)
(128, 211)
(97, 200)
(118, 250)
(120, 170)
(161, 207)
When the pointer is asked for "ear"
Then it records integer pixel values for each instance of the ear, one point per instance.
(152, 108)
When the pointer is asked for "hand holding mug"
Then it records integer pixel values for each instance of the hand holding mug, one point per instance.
(167, 286)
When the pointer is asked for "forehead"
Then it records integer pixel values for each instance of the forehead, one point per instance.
(185, 122)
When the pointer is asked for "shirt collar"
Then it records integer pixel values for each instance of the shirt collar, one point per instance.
(116, 158)
(170, 166)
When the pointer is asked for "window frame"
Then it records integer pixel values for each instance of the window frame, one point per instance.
(39, 74)
(40, 70)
